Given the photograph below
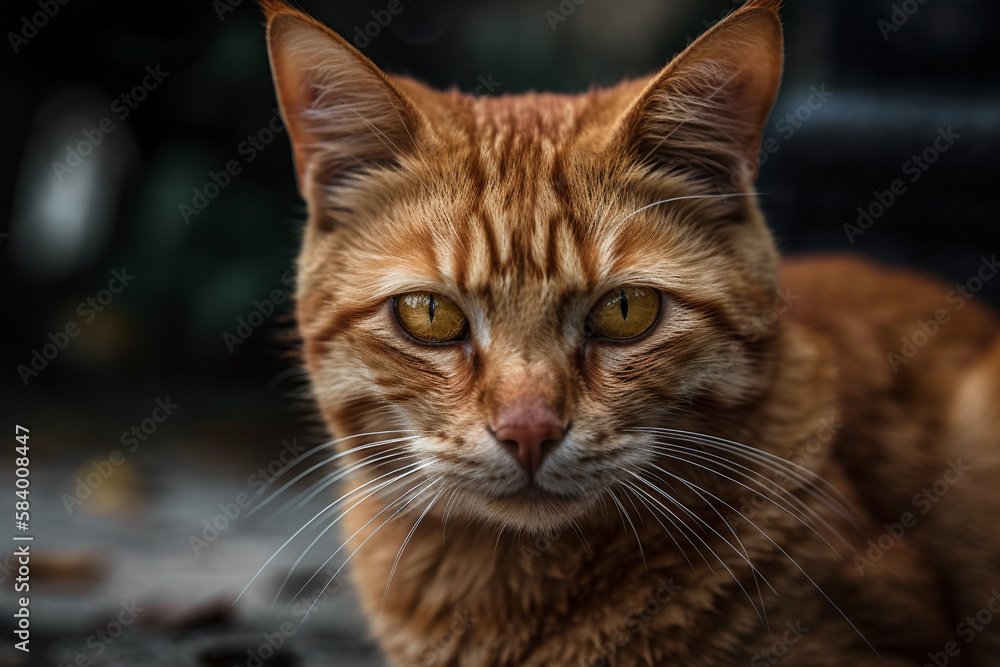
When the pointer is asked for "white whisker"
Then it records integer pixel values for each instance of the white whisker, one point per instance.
(684, 508)
(773, 501)
(696, 488)
(318, 465)
(637, 538)
(804, 477)
(409, 535)
(306, 525)
(614, 232)
(373, 460)
(674, 522)
(329, 526)
(365, 541)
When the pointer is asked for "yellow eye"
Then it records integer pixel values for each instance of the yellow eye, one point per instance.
(430, 317)
(623, 313)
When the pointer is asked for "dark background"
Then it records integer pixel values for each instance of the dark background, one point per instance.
(893, 88)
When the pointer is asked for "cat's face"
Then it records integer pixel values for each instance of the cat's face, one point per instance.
(517, 284)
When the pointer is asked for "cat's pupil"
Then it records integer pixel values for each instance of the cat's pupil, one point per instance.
(430, 307)
(623, 300)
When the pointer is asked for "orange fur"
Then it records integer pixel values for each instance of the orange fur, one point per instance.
(523, 211)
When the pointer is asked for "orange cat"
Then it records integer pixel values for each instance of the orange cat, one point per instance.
(581, 431)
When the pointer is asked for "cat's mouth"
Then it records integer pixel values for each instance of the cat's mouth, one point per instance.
(533, 498)
(532, 491)
(533, 507)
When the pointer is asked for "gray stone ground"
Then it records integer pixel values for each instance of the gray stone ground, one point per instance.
(117, 582)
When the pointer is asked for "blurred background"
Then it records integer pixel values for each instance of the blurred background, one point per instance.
(150, 219)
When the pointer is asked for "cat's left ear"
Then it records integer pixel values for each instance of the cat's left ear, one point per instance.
(345, 116)
(704, 113)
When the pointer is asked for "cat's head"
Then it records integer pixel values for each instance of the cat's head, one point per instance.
(518, 283)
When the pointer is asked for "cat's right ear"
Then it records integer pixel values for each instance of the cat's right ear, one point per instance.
(344, 115)
(704, 113)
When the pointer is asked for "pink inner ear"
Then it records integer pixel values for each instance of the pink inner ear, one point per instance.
(342, 112)
(708, 107)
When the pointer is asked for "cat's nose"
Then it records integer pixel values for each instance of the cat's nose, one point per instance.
(528, 432)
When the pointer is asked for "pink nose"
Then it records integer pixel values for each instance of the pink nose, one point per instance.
(528, 432)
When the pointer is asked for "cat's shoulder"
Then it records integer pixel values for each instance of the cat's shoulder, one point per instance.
(891, 317)
(829, 287)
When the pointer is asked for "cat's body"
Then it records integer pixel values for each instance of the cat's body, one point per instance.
(531, 405)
